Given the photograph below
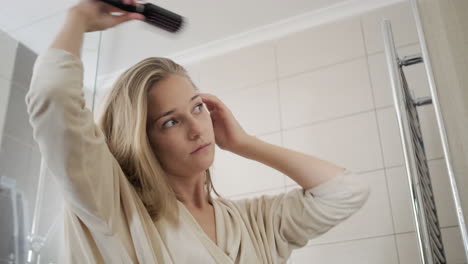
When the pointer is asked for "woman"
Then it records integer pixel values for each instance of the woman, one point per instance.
(136, 189)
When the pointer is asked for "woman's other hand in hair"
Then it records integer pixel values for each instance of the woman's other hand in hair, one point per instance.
(96, 15)
(229, 135)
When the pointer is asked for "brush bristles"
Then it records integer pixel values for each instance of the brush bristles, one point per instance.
(171, 24)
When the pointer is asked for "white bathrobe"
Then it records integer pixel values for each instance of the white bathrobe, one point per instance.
(106, 222)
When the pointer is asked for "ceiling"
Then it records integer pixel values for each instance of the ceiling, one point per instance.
(35, 23)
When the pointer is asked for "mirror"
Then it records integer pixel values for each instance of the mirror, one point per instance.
(309, 76)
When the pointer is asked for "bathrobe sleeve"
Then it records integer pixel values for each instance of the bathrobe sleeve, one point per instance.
(289, 220)
(73, 147)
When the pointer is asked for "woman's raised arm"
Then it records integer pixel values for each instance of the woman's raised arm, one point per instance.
(89, 16)
(71, 144)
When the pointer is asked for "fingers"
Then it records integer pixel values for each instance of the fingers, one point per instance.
(209, 100)
(130, 2)
(111, 8)
(130, 14)
(126, 17)
(212, 102)
(208, 97)
(137, 16)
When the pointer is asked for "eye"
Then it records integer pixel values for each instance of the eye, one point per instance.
(200, 106)
(168, 121)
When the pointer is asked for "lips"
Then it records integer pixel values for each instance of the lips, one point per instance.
(200, 147)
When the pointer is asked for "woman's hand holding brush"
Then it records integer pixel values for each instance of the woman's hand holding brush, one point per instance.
(89, 16)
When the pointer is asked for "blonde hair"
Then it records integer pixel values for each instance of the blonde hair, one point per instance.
(123, 120)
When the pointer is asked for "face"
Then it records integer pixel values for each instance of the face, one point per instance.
(178, 123)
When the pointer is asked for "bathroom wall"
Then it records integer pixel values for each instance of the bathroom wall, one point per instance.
(325, 91)
(446, 31)
(20, 159)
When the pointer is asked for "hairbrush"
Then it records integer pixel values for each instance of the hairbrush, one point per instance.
(154, 15)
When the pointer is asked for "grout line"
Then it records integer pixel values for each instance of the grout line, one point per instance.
(21, 142)
(306, 71)
(278, 90)
(316, 122)
(374, 170)
(397, 47)
(365, 55)
(370, 237)
(352, 240)
(295, 185)
(389, 198)
(450, 226)
(19, 85)
(321, 67)
(322, 121)
(244, 87)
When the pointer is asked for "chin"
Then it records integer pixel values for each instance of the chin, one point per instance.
(205, 162)
(208, 162)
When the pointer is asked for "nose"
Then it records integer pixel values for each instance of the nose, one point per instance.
(195, 128)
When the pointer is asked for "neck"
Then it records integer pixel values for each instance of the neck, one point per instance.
(191, 190)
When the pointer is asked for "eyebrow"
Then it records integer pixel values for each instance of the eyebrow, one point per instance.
(173, 110)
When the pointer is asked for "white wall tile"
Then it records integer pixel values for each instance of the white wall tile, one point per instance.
(319, 46)
(373, 219)
(8, 47)
(391, 140)
(403, 26)
(24, 61)
(381, 250)
(390, 137)
(442, 193)
(415, 76)
(238, 69)
(91, 41)
(90, 60)
(408, 248)
(17, 119)
(255, 108)
(430, 132)
(14, 160)
(194, 73)
(400, 199)
(331, 92)
(350, 142)
(4, 99)
(235, 175)
(453, 245)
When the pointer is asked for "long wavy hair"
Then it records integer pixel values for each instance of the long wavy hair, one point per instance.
(123, 120)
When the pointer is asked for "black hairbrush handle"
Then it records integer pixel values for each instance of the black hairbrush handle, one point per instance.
(154, 14)
(120, 5)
